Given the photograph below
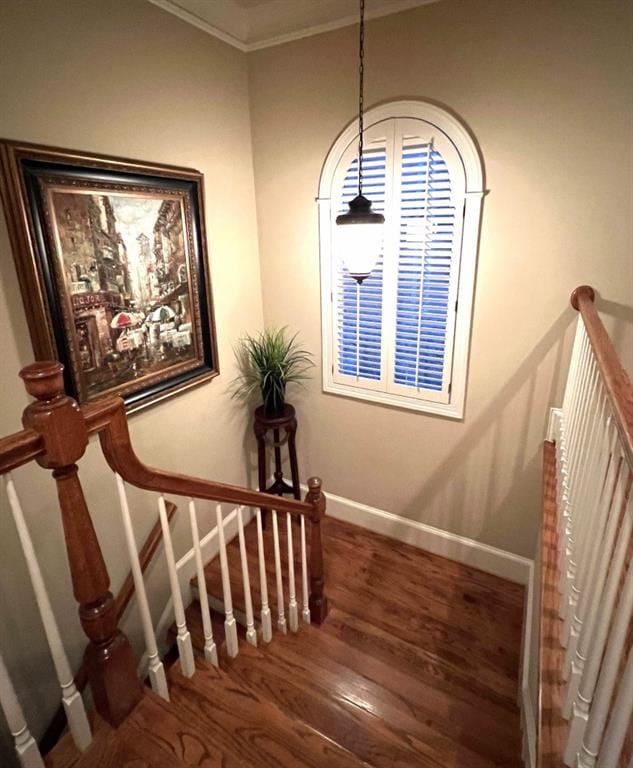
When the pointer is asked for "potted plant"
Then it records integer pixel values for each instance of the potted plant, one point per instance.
(269, 362)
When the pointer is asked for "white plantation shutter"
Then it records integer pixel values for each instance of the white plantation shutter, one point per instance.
(359, 307)
(398, 337)
(428, 243)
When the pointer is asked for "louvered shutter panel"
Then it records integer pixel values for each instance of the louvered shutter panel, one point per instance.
(428, 249)
(359, 322)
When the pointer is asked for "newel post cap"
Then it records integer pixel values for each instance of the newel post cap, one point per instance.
(582, 290)
(44, 381)
(315, 496)
(53, 414)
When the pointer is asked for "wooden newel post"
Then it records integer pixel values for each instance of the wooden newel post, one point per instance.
(110, 661)
(318, 600)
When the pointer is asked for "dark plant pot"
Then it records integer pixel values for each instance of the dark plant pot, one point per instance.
(274, 400)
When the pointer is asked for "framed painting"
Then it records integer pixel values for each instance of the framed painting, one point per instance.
(112, 264)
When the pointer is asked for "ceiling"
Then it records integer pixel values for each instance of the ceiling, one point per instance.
(252, 24)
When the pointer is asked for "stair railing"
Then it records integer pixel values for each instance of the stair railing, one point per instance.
(56, 432)
(594, 457)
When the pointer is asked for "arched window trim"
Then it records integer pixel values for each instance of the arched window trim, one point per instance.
(473, 174)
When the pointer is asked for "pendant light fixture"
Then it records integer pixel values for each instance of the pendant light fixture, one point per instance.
(359, 231)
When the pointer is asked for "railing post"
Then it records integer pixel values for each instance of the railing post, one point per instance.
(109, 659)
(318, 600)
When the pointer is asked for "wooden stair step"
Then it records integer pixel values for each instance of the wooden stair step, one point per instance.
(213, 573)
(154, 735)
(455, 676)
(314, 674)
(249, 728)
(425, 608)
(345, 722)
(419, 713)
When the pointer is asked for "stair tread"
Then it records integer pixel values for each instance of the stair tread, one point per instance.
(384, 715)
(415, 710)
(250, 728)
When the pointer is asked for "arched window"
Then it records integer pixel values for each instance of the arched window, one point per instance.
(401, 337)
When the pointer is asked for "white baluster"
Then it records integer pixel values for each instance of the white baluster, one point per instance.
(293, 608)
(580, 500)
(267, 630)
(607, 668)
(210, 650)
(25, 745)
(620, 721)
(281, 618)
(183, 639)
(590, 544)
(156, 671)
(577, 425)
(230, 625)
(592, 647)
(592, 598)
(304, 573)
(251, 634)
(71, 698)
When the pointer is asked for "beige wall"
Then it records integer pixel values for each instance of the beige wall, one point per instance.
(546, 89)
(124, 78)
(545, 86)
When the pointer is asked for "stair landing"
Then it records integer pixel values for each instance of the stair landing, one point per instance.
(416, 665)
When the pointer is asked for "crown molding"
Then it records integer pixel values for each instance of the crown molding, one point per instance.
(196, 21)
(247, 45)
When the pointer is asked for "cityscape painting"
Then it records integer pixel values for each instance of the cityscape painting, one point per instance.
(120, 255)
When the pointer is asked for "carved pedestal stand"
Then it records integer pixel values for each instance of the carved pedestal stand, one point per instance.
(286, 423)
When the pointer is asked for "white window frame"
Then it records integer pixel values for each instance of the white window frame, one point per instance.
(473, 193)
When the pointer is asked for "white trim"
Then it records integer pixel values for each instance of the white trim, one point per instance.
(196, 21)
(463, 550)
(528, 718)
(553, 424)
(243, 44)
(467, 150)
(528, 726)
(418, 110)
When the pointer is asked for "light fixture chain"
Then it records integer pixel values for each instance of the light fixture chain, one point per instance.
(361, 73)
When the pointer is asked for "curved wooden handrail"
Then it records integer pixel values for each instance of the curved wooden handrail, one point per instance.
(107, 417)
(20, 448)
(615, 379)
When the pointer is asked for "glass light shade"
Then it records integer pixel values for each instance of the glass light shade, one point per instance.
(359, 235)
(360, 245)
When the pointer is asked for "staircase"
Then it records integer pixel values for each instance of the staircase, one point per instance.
(416, 665)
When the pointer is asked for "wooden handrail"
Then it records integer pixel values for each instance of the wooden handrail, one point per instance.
(615, 379)
(109, 419)
(20, 448)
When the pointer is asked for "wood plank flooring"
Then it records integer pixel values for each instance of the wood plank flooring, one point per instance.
(417, 663)
(416, 666)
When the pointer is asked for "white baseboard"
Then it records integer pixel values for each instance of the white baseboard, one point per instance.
(528, 726)
(466, 551)
(528, 718)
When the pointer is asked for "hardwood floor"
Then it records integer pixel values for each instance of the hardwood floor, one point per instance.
(416, 666)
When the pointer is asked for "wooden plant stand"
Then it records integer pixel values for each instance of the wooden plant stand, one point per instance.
(286, 421)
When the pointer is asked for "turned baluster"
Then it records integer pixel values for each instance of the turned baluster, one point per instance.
(110, 661)
(318, 600)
